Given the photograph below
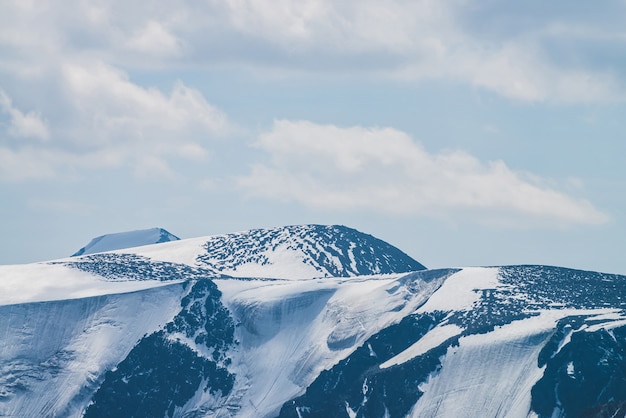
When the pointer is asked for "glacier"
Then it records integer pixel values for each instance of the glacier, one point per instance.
(306, 321)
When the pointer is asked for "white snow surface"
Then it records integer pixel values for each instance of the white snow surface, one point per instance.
(184, 251)
(122, 240)
(488, 375)
(282, 263)
(432, 339)
(51, 352)
(292, 330)
(39, 282)
(461, 290)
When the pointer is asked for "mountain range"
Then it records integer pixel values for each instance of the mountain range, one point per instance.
(304, 321)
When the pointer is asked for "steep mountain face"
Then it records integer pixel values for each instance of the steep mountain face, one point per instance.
(161, 373)
(54, 355)
(501, 342)
(123, 240)
(167, 331)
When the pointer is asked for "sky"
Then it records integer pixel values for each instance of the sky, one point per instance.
(465, 133)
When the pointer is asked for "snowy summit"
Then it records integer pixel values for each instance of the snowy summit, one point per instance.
(121, 240)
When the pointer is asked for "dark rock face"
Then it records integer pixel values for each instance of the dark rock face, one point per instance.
(609, 410)
(334, 251)
(157, 377)
(587, 377)
(204, 319)
(162, 373)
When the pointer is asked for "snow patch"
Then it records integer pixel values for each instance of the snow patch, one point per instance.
(570, 369)
(491, 374)
(432, 339)
(461, 290)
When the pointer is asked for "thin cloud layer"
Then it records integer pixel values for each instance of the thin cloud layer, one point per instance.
(383, 169)
(523, 53)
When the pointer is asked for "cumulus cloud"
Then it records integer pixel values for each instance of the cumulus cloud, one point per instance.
(108, 121)
(80, 55)
(115, 106)
(72, 62)
(383, 169)
(26, 125)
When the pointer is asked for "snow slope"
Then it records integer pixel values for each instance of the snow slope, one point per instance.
(40, 282)
(53, 354)
(292, 330)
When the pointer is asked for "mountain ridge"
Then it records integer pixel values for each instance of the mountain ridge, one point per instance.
(525, 341)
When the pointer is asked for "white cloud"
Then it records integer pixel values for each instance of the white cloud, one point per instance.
(108, 121)
(410, 40)
(26, 125)
(341, 26)
(155, 39)
(385, 170)
(423, 40)
(117, 107)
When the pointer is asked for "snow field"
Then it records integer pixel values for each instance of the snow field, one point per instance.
(461, 290)
(41, 282)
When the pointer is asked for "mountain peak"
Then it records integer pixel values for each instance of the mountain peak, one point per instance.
(129, 239)
(304, 251)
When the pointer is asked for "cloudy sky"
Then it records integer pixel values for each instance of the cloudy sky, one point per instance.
(463, 132)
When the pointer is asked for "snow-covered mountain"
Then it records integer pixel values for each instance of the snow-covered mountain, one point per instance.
(123, 240)
(168, 330)
(290, 252)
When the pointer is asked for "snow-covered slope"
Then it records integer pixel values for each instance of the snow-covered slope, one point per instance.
(123, 240)
(519, 341)
(167, 330)
(53, 355)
